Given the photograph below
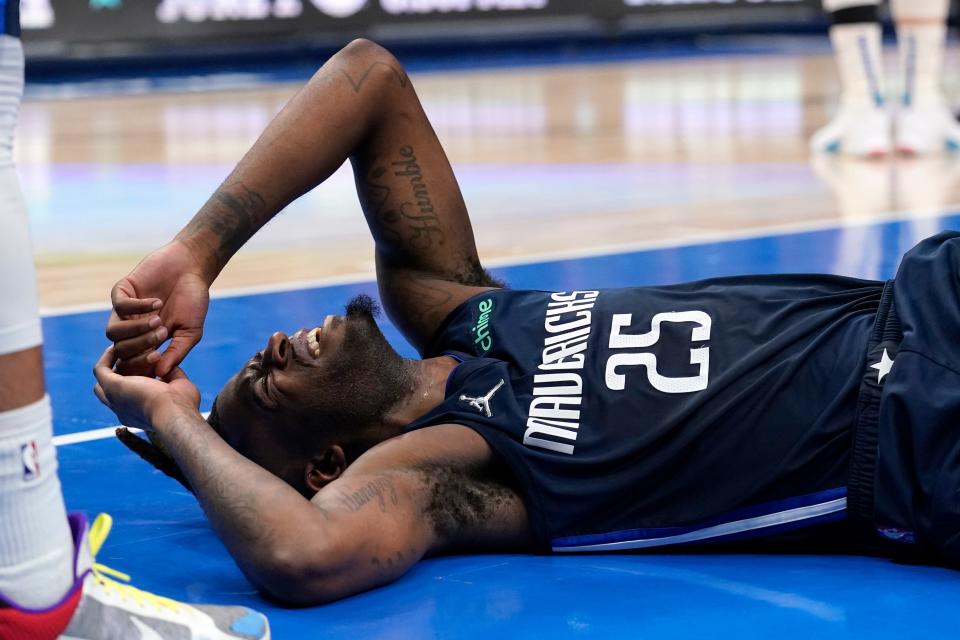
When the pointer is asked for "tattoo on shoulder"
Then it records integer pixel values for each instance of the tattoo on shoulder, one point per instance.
(358, 83)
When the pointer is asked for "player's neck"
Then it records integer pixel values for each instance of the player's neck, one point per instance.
(427, 391)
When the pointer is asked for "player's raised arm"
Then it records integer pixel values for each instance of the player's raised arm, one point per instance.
(360, 106)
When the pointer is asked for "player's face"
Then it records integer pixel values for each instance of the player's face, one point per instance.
(307, 391)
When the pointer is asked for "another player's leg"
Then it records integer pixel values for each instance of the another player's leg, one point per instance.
(861, 126)
(49, 583)
(36, 549)
(924, 123)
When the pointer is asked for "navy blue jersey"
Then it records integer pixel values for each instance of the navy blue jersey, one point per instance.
(658, 415)
(10, 17)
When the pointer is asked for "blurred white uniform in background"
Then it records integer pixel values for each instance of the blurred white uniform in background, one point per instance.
(867, 123)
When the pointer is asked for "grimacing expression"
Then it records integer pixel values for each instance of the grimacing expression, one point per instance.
(319, 387)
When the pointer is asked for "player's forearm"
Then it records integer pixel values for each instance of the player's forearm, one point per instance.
(309, 139)
(273, 533)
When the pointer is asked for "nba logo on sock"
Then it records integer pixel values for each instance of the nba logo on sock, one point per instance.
(30, 454)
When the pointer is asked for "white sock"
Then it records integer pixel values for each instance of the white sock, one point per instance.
(922, 49)
(36, 546)
(856, 48)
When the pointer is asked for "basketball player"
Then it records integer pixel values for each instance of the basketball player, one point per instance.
(565, 421)
(49, 583)
(922, 122)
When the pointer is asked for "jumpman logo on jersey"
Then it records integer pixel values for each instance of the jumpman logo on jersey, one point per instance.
(482, 403)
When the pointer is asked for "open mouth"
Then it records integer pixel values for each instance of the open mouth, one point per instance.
(313, 341)
(310, 340)
(307, 342)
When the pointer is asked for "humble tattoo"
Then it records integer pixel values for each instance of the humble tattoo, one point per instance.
(424, 221)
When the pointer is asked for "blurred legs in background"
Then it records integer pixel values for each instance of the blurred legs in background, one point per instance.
(861, 126)
(922, 123)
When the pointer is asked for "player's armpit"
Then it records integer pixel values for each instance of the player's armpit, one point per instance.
(375, 530)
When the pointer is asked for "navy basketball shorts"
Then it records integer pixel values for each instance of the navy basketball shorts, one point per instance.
(904, 487)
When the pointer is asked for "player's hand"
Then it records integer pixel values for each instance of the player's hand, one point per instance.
(146, 403)
(168, 284)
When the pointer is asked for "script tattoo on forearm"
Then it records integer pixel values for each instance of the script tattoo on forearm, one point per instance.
(357, 84)
(380, 491)
(233, 213)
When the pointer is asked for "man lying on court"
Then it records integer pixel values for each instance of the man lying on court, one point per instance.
(565, 421)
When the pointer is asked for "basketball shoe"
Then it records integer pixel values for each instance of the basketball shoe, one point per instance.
(858, 132)
(100, 608)
(926, 128)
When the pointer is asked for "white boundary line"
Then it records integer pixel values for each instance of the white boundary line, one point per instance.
(691, 240)
(96, 434)
(694, 239)
(87, 436)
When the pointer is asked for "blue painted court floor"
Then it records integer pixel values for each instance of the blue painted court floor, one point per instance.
(162, 539)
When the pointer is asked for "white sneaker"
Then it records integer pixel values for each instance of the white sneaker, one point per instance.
(111, 610)
(863, 133)
(924, 130)
(98, 608)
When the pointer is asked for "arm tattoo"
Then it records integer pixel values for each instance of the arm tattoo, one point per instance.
(422, 223)
(421, 219)
(426, 300)
(410, 227)
(232, 214)
(375, 200)
(379, 490)
(358, 84)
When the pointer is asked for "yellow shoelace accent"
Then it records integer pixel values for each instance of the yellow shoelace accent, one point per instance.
(98, 535)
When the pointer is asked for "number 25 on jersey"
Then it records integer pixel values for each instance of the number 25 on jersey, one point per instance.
(699, 356)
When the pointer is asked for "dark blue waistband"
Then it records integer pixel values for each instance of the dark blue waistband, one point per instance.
(887, 334)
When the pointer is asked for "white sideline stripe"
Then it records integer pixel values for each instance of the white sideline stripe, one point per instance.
(87, 436)
(729, 528)
(95, 434)
(694, 239)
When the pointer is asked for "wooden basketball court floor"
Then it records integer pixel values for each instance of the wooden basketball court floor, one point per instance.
(624, 172)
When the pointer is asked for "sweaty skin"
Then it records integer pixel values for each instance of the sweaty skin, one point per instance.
(373, 515)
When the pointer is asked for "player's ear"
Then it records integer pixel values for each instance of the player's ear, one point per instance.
(325, 468)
